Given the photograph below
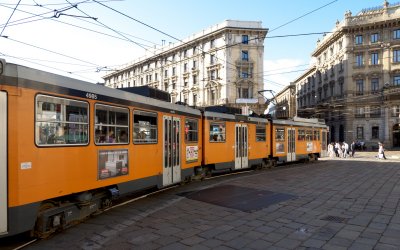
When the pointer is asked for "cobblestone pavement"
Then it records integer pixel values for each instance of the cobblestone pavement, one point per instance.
(336, 204)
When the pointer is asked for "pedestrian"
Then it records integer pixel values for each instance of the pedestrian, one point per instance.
(330, 150)
(352, 148)
(381, 151)
(336, 148)
(345, 149)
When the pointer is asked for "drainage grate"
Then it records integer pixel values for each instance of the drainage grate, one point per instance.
(336, 219)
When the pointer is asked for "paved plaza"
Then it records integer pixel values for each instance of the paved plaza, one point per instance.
(329, 204)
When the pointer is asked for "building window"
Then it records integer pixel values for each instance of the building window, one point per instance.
(212, 59)
(396, 55)
(194, 99)
(195, 80)
(359, 60)
(396, 80)
(396, 34)
(374, 85)
(185, 67)
(375, 132)
(144, 127)
(332, 89)
(194, 65)
(166, 86)
(212, 43)
(212, 75)
(359, 87)
(359, 39)
(212, 97)
(396, 111)
(360, 133)
(375, 112)
(245, 39)
(173, 71)
(374, 58)
(374, 38)
(245, 55)
(166, 73)
(360, 112)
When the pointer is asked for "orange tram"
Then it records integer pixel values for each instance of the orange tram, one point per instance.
(68, 148)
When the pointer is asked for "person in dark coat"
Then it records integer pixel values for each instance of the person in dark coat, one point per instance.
(352, 149)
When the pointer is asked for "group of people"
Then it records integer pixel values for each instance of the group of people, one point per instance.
(341, 150)
(344, 150)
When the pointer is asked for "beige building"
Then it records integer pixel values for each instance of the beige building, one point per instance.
(355, 84)
(285, 103)
(221, 65)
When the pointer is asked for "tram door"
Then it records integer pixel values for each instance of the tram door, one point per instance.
(241, 146)
(172, 150)
(3, 162)
(324, 141)
(291, 153)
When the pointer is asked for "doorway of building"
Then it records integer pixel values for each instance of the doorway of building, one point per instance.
(341, 133)
(396, 136)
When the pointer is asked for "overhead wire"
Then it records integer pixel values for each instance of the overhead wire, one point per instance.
(162, 32)
(100, 2)
(16, 6)
(109, 27)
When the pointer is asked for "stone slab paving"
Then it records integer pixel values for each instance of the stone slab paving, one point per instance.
(339, 204)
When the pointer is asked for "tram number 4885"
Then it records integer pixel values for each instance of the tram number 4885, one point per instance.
(91, 96)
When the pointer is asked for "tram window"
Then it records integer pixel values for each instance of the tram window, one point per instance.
(316, 135)
(261, 134)
(191, 130)
(111, 125)
(217, 132)
(279, 134)
(144, 127)
(61, 121)
(309, 135)
(301, 135)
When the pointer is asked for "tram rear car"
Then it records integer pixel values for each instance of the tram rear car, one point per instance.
(298, 139)
(67, 148)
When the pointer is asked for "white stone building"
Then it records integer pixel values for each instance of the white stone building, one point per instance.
(355, 82)
(216, 66)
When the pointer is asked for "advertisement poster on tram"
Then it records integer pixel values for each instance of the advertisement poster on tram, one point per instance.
(310, 146)
(192, 153)
(112, 163)
(280, 148)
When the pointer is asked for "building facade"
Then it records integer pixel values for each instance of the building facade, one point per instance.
(222, 65)
(285, 103)
(355, 84)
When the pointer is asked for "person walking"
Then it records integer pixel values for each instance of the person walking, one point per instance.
(352, 148)
(381, 151)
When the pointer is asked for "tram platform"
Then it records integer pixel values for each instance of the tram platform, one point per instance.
(333, 203)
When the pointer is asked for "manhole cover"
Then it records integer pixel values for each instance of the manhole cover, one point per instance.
(241, 198)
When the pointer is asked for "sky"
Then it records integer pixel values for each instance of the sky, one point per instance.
(87, 39)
